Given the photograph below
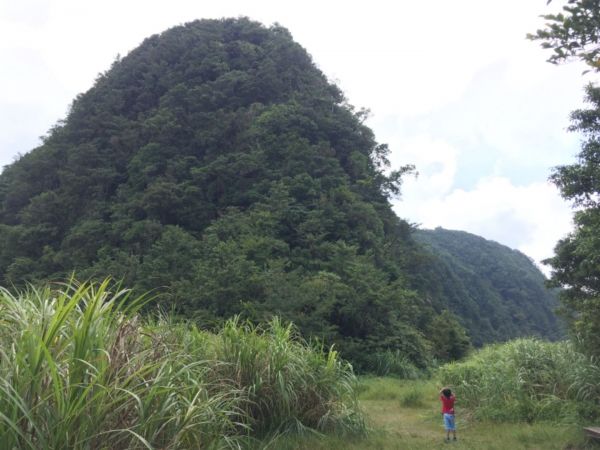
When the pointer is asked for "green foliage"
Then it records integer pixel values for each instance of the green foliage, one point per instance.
(575, 34)
(573, 266)
(407, 393)
(579, 182)
(572, 33)
(448, 338)
(397, 427)
(413, 398)
(494, 292)
(392, 363)
(216, 166)
(287, 382)
(526, 380)
(80, 369)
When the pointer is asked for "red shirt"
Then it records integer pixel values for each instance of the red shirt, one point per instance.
(447, 404)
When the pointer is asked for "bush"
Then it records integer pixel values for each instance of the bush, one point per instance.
(81, 369)
(412, 398)
(527, 379)
(391, 363)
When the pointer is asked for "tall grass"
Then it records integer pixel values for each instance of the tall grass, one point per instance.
(290, 386)
(81, 369)
(392, 363)
(529, 380)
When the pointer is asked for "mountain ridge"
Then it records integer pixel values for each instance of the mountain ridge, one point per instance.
(507, 295)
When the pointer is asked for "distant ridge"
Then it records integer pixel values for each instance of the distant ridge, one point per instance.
(497, 292)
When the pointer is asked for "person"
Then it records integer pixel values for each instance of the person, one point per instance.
(447, 398)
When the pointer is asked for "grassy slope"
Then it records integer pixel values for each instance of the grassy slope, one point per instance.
(398, 426)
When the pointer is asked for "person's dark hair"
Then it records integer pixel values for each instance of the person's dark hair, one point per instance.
(447, 393)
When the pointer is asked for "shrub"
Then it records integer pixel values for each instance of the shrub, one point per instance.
(527, 379)
(413, 397)
(81, 369)
(392, 363)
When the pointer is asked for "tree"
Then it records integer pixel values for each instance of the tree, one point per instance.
(576, 263)
(575, 33)
(449, 339)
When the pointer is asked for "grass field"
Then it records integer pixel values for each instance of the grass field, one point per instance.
(405, 415)
(81, 369)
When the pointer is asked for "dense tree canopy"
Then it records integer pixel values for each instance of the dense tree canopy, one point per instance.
(216, 165)
(496, 292)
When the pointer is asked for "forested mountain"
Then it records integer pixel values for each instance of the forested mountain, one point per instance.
(497, 292)
(217, 165)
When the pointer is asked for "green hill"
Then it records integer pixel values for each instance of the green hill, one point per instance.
(497, 292)
(218, 166)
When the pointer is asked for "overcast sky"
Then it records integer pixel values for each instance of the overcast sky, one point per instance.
(453, 86)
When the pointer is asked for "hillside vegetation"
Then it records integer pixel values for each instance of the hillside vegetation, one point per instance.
(527, 380)
(80, 369)
(497, 292)
(217, 166)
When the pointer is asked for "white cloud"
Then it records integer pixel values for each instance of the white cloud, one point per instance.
(436, 162)
(530, 218)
